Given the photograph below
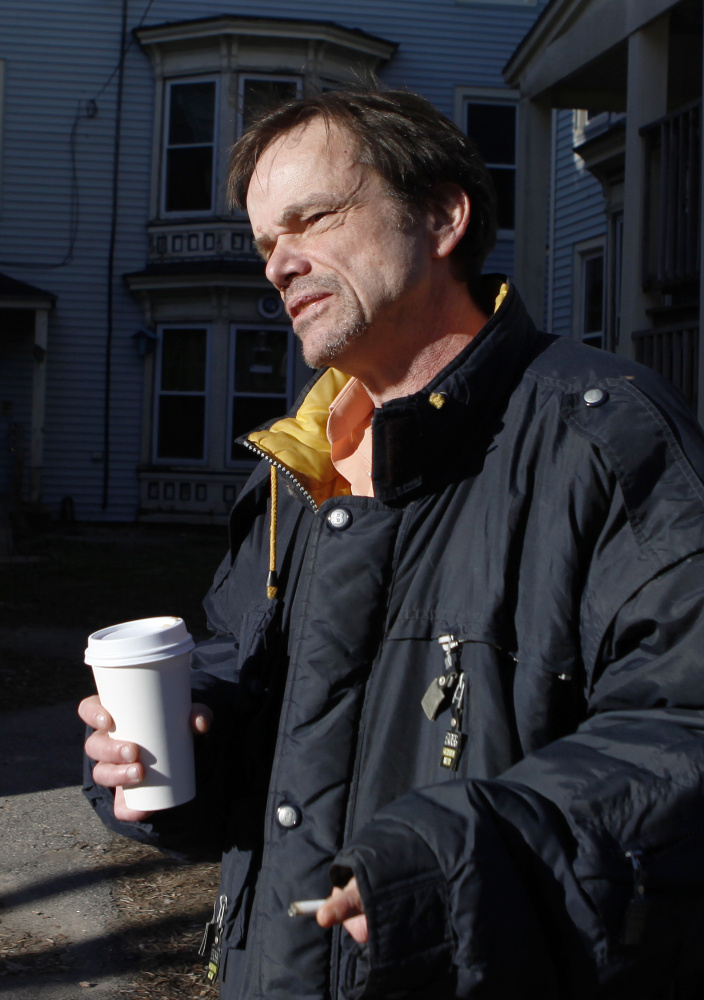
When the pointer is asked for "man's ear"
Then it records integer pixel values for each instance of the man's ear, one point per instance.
(448, 218)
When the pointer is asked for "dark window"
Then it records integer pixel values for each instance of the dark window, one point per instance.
(493, 129)
(259, 94)
(261, 378)
(190, 143)
(181, 394)
(593, 299)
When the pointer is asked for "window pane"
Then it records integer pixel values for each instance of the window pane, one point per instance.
(593, 276)
(259, 95)
(183, 356)
(189, 179)
(249, 412)
(181, 427)
(261, 361)
(493, 129)
(192, 113)
(505, 184)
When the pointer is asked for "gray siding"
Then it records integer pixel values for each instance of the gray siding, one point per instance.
(58, 58)
(579, 216)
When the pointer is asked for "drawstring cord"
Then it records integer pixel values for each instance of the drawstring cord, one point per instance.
(271, 581)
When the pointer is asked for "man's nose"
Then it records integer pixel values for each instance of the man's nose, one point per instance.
(286, 262)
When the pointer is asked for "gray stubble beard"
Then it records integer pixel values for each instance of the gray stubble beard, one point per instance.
(338, 338)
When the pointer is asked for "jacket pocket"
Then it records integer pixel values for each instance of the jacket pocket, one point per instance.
(237, 890)
(429, 646)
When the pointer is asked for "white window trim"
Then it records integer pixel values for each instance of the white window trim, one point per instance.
(184, 462)
(273, 77)
(290, 369)
(584, 128)
(486, 95)
(583, 251)
(206, 78)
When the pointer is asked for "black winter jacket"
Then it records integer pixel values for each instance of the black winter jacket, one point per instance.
(542, 503)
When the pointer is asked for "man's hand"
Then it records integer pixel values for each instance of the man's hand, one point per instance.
(344, 907)
(117, 761)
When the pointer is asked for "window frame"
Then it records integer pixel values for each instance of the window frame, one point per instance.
(500, 96)
(244, 75)
(235, 327)
(165, 146)
(584, 251)
(206, 393)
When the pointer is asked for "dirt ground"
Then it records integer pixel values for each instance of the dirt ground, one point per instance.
(82, 911)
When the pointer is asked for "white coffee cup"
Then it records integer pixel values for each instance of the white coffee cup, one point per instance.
(142, 672)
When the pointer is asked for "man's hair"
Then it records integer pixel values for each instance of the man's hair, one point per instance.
(414, 148)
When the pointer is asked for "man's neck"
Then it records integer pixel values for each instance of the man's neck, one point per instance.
(422, 349)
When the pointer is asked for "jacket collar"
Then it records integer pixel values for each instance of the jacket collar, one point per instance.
(420, 441)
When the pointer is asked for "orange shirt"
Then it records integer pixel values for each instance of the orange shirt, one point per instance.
(350, 436)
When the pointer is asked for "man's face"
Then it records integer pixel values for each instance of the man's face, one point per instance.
(350, 266)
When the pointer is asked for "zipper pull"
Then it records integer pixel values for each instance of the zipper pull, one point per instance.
(450, 645)
(454, 741)
(634, 922)
(435, 698)
(212, 939)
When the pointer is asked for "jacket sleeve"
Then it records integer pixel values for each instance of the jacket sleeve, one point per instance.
(582, 865)
(579, 871)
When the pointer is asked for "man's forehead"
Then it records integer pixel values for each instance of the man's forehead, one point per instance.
(310, 141)
(307, 160)
(318, 131)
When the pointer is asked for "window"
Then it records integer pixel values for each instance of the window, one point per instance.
(181, 394)
(189, 160)
(492, 126)
(590, 299)
(261, 378)
(258, 93)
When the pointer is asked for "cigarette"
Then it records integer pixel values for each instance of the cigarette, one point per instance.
(305, 907)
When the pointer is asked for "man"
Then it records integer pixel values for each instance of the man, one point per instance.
(456, 661)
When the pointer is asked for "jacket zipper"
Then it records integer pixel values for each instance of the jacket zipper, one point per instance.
(634, 920)
(283, 469)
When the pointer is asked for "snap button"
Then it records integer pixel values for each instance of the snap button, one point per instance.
(339, 519)
(288, 816)
(595, 397)
(437, 399)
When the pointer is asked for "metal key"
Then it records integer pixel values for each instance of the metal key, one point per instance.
(438, 693)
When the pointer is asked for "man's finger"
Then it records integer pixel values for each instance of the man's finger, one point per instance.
(115, 775)
(94, 714)
(201, 718)
(344, 906)
(123, 811)
(101, 747)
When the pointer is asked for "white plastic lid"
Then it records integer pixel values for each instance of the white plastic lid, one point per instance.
(142, 641)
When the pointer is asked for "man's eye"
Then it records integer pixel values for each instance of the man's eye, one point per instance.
(312, 219)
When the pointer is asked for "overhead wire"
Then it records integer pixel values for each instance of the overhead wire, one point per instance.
(86, 110)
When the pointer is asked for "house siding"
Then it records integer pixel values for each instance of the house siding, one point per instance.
(59, 59)
(578, 214)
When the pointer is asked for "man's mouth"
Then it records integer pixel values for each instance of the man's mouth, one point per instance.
(299, 303)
